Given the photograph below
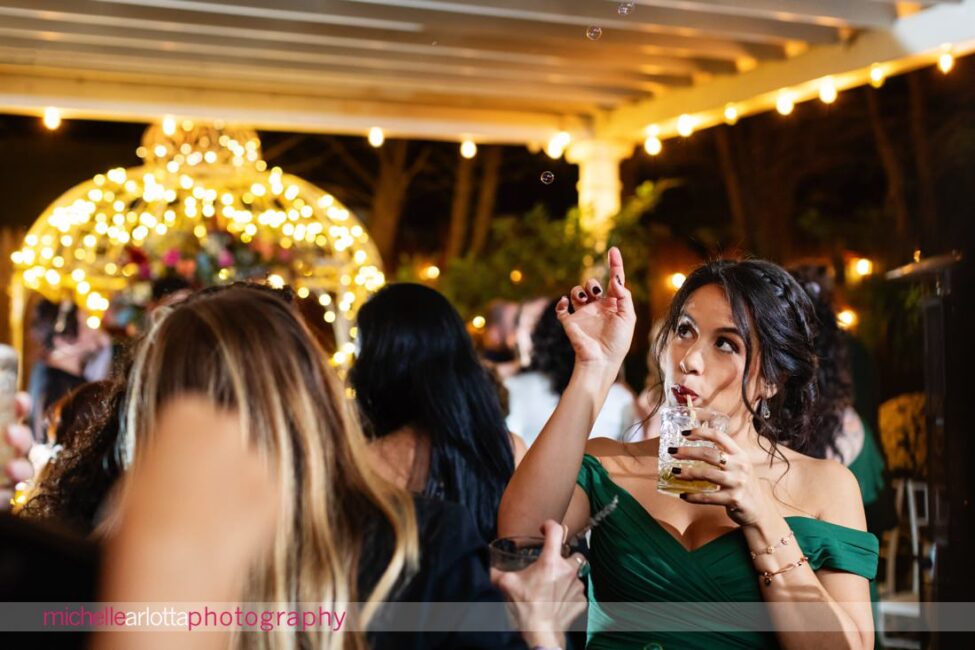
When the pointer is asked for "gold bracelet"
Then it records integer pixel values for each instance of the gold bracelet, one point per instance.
(769, 550)
(766, 576)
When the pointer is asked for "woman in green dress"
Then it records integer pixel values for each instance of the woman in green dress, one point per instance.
(784, 536)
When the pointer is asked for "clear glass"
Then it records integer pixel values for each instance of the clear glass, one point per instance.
(673, 420)
(517, 553)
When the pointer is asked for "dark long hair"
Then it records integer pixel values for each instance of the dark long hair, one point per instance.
(417, 367)
(834, 381)
(765, 299)
(552, 353)
(73, 486)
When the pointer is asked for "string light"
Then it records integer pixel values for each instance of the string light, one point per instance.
(827, 91)
(52, 118)
(947, 60)
(731, 114)
(468, 149)
(557, 144)
(863, 266)
(877, 75)
(785, 102)
(685, 125)
(516, 276)
(478, 322)
(677, 280)
(431, 272)
(847, 319)
(653, 145)
(169, 125)
(376, 137)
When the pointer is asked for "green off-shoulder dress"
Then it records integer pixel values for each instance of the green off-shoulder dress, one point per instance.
(648, 592)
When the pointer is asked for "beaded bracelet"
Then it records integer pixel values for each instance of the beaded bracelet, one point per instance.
(784, 541)
(766, 576)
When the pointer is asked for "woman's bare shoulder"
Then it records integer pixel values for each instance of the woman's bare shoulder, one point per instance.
(827, 488)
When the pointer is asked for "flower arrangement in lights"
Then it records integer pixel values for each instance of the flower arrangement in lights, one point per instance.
(203, 206)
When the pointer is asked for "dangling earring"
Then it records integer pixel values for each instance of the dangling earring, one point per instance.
(766, 413)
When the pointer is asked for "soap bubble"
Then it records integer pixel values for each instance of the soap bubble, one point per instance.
(625, 8)
(547, 177)
(593, 33)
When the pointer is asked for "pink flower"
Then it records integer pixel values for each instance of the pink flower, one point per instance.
(171, 257)
(224, 258)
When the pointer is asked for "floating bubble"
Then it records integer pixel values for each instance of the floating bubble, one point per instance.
(594, 33)
(625, 8)
(547, 177)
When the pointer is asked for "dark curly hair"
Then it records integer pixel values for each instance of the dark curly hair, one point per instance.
(72, 486)
(834, 380)
(552, 353)
(765, 299)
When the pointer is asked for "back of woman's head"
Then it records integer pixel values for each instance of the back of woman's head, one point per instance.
(417, 368)
(552, 353)
(75, 483)
(834, 382)
(768, 306)
(246, 349)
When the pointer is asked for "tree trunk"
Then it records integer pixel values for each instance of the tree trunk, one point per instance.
(896, 198)
(390, 193)
(460, 209)
(927, 202)
(487, 193)
(732, 186)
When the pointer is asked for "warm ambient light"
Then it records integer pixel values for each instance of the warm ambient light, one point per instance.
(478, 322)
(169, 125)
(376, 137)
(468, 149)
(653, 145)
(557, 145)
(52, 118)
(677, 280)
(947, 60)
(516, 276)
(685, 125)
(846, 319)
(431, 272)
(863, 266)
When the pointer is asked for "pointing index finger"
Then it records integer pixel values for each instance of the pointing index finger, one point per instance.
(617, 276)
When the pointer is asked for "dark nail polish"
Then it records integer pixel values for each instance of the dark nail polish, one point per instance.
(596, 291)
(671, 450)
(687, 432)
(619, 280)
(675, 471)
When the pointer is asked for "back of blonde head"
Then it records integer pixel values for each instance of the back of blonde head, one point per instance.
(247, 349)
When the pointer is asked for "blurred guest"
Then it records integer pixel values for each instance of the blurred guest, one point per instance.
(67, 346)
(498, 339)
(272, 451)
(529, 312)
(839, 432)
(535, 392)
(430, 409)
(73, 486)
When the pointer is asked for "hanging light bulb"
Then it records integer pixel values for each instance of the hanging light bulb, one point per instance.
(785, 103)
(877, 75)
(731, 114)
(827, 91)
(947, 60)
(376, 137)
(169, 125)
(685, 125)
(468, 149)
(653, 145)
(52, 118)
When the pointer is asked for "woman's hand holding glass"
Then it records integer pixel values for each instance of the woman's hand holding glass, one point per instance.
(728, 466)
(601, 324)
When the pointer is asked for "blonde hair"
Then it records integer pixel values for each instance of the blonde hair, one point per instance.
(246, 348)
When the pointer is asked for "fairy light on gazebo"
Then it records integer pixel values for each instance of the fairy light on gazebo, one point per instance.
(205, 206)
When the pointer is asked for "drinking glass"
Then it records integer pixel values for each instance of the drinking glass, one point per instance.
(673, 420)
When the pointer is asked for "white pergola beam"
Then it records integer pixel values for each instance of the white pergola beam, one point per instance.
(912, 42)
(89, 97)
(834, 13)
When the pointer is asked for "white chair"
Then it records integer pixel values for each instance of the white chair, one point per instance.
(906, 604)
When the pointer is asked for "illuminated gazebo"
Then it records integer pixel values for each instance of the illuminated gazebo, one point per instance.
(204, 206)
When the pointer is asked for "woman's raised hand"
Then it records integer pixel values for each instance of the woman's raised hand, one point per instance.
(601, 325)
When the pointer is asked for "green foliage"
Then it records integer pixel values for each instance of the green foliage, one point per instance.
(550, 253)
